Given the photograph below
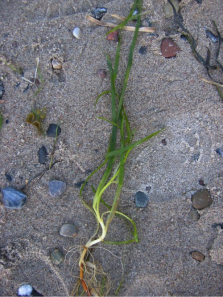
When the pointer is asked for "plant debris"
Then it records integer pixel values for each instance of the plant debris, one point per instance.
(36, 118)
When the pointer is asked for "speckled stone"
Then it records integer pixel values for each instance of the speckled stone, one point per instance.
(68, 230)
(141, 199)
(57, 257)
(56, 188)
(12, 198)
(193, 215)
(201, 199)
(169, 48)
(198, 256)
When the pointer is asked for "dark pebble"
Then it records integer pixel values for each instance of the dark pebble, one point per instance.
(68, 230)
(113, 36)
(215, 225)
(169, 48)
(79, 184)
(57, 257)
(143, 50)
(99, 12)
(141, 199)
(163, 141)
(26, 89)
(196, 157)
(42, 154)
(211, 36)
(88, 171)
(219, 152)
(56, 188)
(184, 37)
(101, 73)
(198, 256)
(201, 199)
(201, 182)
(193, 215)
(53, 130)
(2, 89)
(8, 177)
(28, 291)
(148, 189)
(12, 198)
(6, 121)
(199, 1)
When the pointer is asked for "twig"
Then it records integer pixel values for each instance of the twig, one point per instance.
(127, 28)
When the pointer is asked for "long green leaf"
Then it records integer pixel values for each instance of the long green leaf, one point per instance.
(133, 145)
(99, 96)
(110, 122)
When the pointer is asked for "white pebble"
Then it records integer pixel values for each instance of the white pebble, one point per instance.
(25, 290)
(77, 33)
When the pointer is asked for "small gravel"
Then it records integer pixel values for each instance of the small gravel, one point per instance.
(68, 230)
(141, 199)
(201, 199)
(56, 188)
(57, 256)
(198, 256)
(12, 198)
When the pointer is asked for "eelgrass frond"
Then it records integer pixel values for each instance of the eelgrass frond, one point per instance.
(115, 158)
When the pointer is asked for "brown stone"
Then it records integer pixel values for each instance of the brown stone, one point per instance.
(201, 199)
(113, 36)
(169, 48)
(198, 256)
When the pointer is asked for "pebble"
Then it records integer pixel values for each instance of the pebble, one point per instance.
(101, 73)
(168, 10)
(169, 48)
(56, 188)
(143, 50)
(99, 12)
(77, 33)
(211, 36)
(199, 1)
(201, 199)
(57, 65)
(141, 199)
(68, 230)
(193, 215)
(53, 130)
(198, 256)
(28, 291)
(219, 152)
(42, 154)
(12, 198)
(8, 177)
(57, 257)
(113, 36)
(164, 142)
(2, 89)
(201, 182)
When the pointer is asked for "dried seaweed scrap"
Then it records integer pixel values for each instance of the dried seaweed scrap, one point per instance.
(127, 28)
(36, 117)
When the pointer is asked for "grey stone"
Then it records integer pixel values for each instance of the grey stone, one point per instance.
(56, 188)
(42, 155)
(201, 199)
(13, 199)
(193, 215)
(68, 230)
(141, 199)
(57, 256)
(25, 290)
(168, 10)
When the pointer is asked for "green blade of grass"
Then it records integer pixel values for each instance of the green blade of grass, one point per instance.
(133, 145)
(100, 95)
(117, 56)
(110, 122)
(130, 57)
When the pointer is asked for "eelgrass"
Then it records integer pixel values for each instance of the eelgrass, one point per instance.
(115, 158)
